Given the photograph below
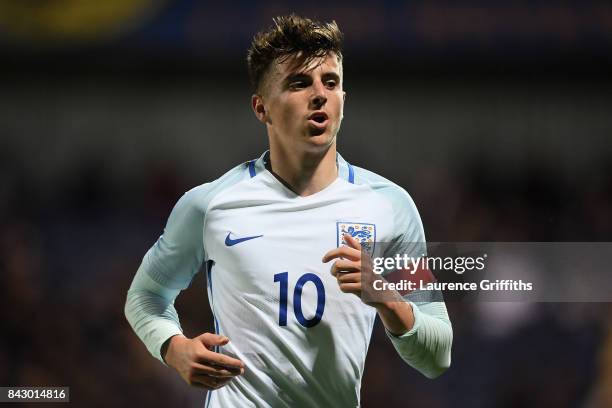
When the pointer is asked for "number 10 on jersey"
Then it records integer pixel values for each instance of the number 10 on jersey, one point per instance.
(283, 279)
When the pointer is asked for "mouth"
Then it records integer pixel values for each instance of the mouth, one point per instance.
(318, 119)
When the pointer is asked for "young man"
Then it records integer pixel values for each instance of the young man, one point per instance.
(266, 231)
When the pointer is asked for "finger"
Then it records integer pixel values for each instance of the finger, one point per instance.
(220, 360)
(344, 252)
(345, 266)
(352, 242)
(350, 287)
(349, 278)
(216, 372)
(200, 385)
(210, 382)
(211, 339)
(201, 381)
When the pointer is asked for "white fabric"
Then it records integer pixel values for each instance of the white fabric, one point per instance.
(287, 365)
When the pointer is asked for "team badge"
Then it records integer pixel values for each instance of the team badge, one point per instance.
(362, 232)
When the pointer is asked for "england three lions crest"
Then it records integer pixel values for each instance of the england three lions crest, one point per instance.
(363, 232)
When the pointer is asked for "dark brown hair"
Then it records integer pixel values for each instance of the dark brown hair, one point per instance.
(292, 35)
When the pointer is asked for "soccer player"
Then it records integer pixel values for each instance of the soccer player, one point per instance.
(290, 331)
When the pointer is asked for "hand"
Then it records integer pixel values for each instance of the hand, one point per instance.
(356, 276)
(347, 269)
(198, 365)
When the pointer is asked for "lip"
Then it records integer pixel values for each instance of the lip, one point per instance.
(318, 119)
(318, 114)
(318, 125)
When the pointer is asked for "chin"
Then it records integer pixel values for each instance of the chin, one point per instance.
(328, 132)
(314, 133)
(321, 141)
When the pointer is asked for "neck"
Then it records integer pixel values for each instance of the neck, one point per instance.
(305, 173)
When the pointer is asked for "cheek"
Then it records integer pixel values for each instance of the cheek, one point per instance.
(338, 102)
(278, 112)
(289, 111)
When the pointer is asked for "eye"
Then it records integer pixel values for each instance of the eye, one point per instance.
(297, 85)
(331, 84)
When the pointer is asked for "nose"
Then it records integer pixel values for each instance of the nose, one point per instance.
(318, 98)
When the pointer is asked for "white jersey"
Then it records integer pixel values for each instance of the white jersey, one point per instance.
(303, 341)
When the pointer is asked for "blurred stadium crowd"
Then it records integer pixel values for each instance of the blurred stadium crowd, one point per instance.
(66, 267)
(95, 150)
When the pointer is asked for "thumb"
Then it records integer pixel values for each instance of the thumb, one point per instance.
(352, 242)
(211, 339)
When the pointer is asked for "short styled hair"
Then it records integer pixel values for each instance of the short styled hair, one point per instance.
(292, 35)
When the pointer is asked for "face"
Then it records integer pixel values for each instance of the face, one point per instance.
(302, 107)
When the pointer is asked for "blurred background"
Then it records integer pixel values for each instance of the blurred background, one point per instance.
(495, 116)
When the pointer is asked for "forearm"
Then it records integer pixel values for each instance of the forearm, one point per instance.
(422, 335)
(397, 316)
(166, 345)
(150, 311)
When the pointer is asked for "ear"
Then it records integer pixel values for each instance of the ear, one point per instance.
(257, 104)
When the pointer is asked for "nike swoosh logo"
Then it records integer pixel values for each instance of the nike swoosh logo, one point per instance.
(231, 242)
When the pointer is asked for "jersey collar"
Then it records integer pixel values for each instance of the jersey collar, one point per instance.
(345, 169)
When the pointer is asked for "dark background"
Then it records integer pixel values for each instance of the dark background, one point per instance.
(496, 117)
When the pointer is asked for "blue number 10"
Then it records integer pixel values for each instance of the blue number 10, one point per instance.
(283, 278)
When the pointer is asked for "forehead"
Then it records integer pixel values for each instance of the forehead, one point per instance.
(292, 65)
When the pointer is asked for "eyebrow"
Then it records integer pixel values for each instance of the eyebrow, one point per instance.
(303, 75)
(331, 75)
(296, 76)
